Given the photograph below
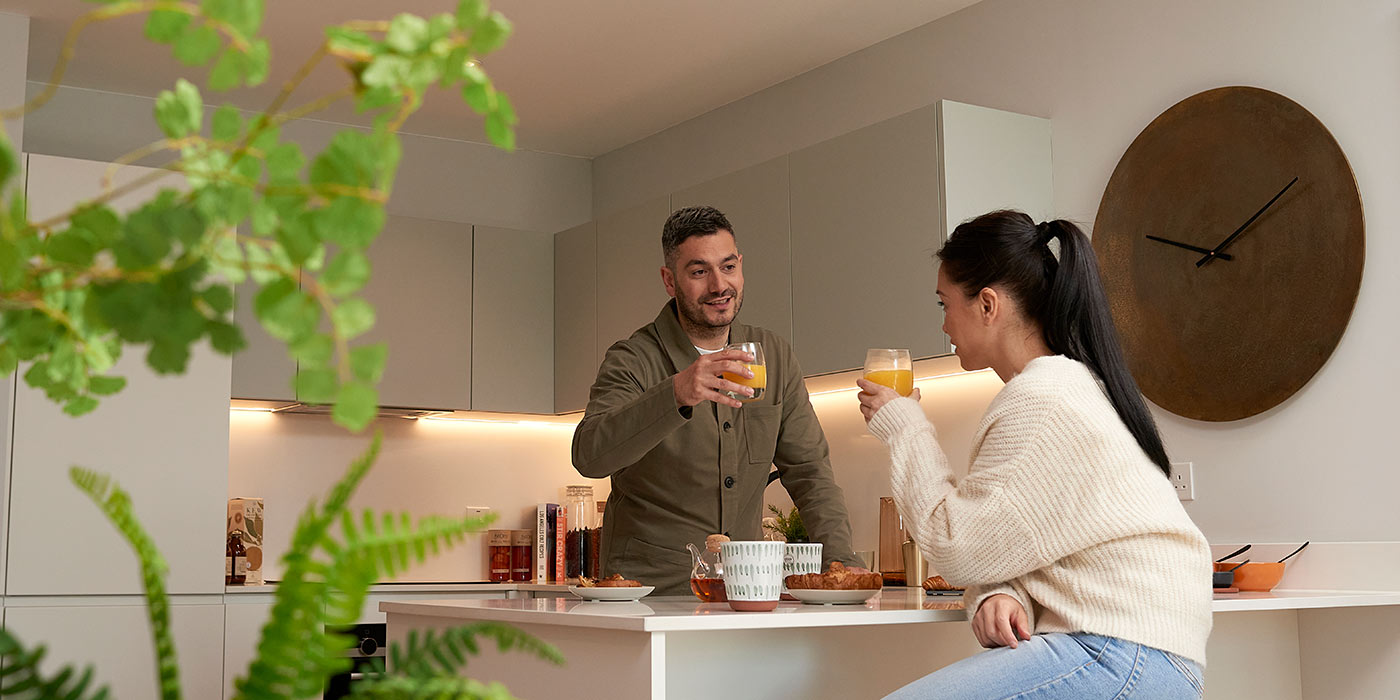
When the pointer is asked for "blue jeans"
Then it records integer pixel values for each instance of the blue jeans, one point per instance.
(1052, 666)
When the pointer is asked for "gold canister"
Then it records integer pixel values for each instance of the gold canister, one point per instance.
(915, 567)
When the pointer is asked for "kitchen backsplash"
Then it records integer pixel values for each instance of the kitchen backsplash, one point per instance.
(425, 467)
(442, 467)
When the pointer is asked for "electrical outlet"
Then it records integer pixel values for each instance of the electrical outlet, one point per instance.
(1181, 481)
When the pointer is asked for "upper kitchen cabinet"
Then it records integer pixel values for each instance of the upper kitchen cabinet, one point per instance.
(421, 289)
(755, 200)
(870, 209)
(512, 321)
(163, 438)
(263, 369)
(629, 270)
(993, 160)
(576, 349)
(865, 224)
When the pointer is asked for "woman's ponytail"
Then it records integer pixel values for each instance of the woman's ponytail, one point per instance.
(1062, 292)
(1079, 325)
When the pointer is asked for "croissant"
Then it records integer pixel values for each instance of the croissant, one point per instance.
(836, 578)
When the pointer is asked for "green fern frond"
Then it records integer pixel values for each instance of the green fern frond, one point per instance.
(115, 503)
(433, 653)
(440, 688)
(20, 678)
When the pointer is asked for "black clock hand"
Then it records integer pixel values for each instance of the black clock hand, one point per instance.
(1188, 246)
(1231, 239)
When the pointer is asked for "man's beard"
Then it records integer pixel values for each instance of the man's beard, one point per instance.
(694, 310)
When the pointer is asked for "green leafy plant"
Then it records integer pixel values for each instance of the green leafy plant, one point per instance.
(788, 526)
(78, 288)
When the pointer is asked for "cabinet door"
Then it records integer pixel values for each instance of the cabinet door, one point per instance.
(865, 226)
(993, 160)
(576, 349)
(116, 640)
(755, 200)
(421, 289)
(512, 321)
(243, 623)
(163, 438)
(263, 369)
(630, 292)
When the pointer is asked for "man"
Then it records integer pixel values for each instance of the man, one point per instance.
(686, 459)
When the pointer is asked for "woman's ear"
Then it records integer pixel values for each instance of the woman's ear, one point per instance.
(989, 305)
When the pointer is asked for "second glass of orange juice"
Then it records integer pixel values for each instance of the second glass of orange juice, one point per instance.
(759, 382)
(890, 367)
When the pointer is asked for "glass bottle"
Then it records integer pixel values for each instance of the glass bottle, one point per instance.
(235, 560)
(578, 545)
(707, 575)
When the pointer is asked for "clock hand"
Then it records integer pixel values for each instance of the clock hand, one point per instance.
(1231, 239)
(1188, 246)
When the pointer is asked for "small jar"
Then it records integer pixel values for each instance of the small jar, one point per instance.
(520, 555)
(498, 545)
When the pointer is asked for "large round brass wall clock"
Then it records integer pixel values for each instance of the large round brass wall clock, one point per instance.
(1231, 242)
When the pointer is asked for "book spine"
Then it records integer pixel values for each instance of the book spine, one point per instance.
(560, 548)
(543, 537)
(550, 524)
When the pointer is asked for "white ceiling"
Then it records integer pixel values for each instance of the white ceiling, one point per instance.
(585, 77)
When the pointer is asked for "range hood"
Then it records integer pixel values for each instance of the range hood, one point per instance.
(273, 406)
(323, 409)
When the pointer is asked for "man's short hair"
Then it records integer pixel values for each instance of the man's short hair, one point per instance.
(687, 222)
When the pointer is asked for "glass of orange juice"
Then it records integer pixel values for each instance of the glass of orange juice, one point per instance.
(890, 367)
(759, 382)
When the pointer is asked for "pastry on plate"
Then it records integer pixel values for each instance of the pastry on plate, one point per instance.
(938, 583)
(836, 578)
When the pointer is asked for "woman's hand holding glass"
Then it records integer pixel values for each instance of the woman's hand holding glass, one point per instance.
(889, 373)
(874, 396)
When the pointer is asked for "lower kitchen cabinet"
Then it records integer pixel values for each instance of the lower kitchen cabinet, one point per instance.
(116, 640)
(243, 623)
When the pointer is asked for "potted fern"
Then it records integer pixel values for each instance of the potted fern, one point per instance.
(77, 288)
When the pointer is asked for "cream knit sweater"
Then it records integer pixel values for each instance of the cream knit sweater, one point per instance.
(1061, 509)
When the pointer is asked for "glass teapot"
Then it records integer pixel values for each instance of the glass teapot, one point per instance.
(707, 575)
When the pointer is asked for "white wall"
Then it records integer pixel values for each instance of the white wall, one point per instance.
(1322, 465)
(442, 179)
(424, 467)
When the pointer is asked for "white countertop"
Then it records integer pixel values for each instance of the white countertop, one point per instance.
(1302, 600)
(425, 587)
(891, 606)
(659, 614)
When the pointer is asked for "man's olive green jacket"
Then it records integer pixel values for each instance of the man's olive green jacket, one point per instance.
(679, 474)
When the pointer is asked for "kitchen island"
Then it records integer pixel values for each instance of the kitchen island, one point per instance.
(678, 648)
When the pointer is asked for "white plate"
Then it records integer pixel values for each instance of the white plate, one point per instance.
(817, 596)
(611, 593)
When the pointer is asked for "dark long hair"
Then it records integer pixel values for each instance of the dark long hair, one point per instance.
(1008, 250)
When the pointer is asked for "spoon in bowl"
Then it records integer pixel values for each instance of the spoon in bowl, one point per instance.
(1235, 553)
(1305, 544)
(1231, 571)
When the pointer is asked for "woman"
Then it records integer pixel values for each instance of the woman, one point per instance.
(1084, 575)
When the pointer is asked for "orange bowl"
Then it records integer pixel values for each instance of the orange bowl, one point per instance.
(1254, 576)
